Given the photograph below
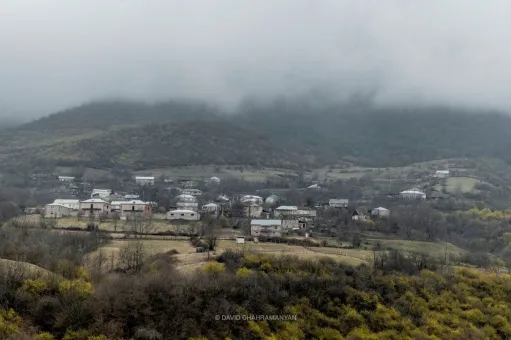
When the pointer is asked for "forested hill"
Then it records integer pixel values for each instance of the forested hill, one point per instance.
(286, 133)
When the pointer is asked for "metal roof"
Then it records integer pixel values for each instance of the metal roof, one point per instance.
(266, 222)
(183, 211)
(287, 207)
(94, 200)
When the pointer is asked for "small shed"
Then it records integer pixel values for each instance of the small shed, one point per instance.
(240, 239)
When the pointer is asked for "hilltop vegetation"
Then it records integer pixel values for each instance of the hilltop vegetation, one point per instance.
(133, 134)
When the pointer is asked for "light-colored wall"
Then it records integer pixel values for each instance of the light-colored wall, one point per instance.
(183, 216)
(253, 211)
(268, 231)
(56, 211)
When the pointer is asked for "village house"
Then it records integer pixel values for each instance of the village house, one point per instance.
(240, 239)
(138, 209)
(251, 199)
(413, 194)
(358, 216)
(144, 180)
(188, 206)
(380, 212)
(272, 199)
(285, 210)
(338, 203)
(101, 193)
(290, 225)
(441, 174)
(266, 227)
(185, 198)
(66, 178)
(181, 214)
(192, 192)
(130, 197)
(314, 186)
(56, 211)
(69, 203)
(211, 208)
(213, 180)
(252, 210)
(222, 199)
(189, 184)
(94, 206)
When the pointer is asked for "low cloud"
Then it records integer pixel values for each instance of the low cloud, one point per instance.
(56, 54)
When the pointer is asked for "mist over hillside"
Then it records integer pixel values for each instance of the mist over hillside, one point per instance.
(286, 132)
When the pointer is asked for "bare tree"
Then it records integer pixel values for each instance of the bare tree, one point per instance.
(132, 256)
(138, 225)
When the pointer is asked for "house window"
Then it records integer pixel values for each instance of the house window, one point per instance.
(192, 214)
(133, 208)
(172, 214)
(182, 214)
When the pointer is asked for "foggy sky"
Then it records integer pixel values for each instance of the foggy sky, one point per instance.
(55, 53)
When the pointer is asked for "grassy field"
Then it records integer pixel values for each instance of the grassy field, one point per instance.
(435, 249)
(222, 172)
(28, 269)
(464, 184)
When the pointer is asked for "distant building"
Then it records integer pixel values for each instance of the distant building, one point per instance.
(413, 194)
(441, 174)
(314, 186)
(94, 206)
(144, 180)
(131, 197)
(251, 199)
(285, 210)
(101, 193)
(338, 203)
(189, 184)
(272, 199)
(358, 216)
(290, 225)
(188, 206)
(66, 178)
(214, 180)
(266, 227)
(69, 203)
(186, 198)
(135, 208)
(380, 212)
(30, 211)
(179, 214)
(222, 199)
(192, 192)
(240, 239)
(56, 211)
(210, 208)
(252, 210)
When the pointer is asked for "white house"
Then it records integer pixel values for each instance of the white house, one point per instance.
(222, 199)
(338, 203)
(358, 216)
(413, 194)
(285, 210)
(179, 214)
(441, 174)
(100, 193)
(66, 178)
(240, 239)
(192, 192)
(267, 227)
(272, 199)
(290, 224)
(251, 199)
(210, 207)
(131, 197)
(69, 203)
(214, 180)
(95, 206)
(252, 210)
(380, 212)
(135, 208)
(144, 180)
(188, 206)
(56, 211)
(186, 198)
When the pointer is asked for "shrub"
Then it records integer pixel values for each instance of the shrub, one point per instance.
(213, 268)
